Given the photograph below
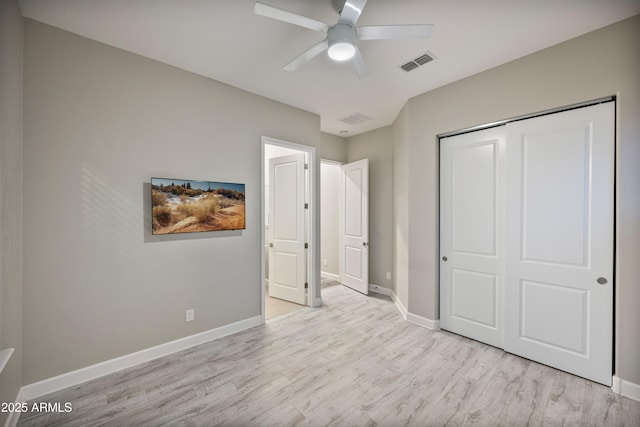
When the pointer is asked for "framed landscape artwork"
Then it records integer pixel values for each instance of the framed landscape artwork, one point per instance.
(187, 206)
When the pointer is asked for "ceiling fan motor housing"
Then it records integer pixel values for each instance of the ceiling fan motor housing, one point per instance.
(342, 38)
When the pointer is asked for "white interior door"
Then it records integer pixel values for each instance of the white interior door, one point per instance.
(559, 302)
(471, 239)
(354, 226)
(286, 237)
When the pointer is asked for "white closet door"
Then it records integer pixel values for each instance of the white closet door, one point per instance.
(471, 241)
(559, 275)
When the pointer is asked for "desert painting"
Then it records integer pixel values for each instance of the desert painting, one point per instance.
(186, 206)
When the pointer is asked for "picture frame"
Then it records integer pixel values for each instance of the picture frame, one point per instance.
(191, 206)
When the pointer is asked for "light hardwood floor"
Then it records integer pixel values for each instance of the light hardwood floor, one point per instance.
(353, 362)
(274, 307)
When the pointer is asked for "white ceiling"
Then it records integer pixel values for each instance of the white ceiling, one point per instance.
(226, 41)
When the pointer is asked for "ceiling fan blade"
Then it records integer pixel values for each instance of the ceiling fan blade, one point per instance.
(290, 17)
(351, 10)
(307, 55)
(361, 66)
(382, 32)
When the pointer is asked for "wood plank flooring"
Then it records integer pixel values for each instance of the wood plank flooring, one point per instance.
(353, 362)
(274, 307)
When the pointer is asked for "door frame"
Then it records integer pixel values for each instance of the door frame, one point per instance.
(312, 228)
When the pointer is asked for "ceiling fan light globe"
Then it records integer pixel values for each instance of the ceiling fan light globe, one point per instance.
(341, 51)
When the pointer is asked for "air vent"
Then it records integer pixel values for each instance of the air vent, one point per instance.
(415, 63)
(355, 119)
(421, 60)
(409, 66)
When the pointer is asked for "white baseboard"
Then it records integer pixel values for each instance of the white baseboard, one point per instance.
(380, 290)
(401, 308)
(434, 325)
(316, 302)
(326, 275)
(626, 388)
(41, 388)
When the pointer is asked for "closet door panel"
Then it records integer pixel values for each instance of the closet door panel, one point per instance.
(471, 250)
(559, 228)
(555, 193)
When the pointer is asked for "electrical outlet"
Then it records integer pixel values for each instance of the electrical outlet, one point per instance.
(388, 275)
(325, 262)
(190, 315)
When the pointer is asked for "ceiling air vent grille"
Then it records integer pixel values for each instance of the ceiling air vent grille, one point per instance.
(409, 66)
(355, 119)
(415, 63)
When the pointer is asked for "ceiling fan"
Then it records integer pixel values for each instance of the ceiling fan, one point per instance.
(341, 41)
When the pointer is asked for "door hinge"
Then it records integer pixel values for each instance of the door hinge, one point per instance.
(306, 285)
(306, 205)
(306, 165)
(306, 246)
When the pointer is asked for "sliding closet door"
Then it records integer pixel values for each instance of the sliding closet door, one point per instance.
(526, 238)
(471, 237)
(559, 274)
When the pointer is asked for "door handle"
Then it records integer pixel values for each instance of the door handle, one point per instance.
(270, 245)
(602, 281)
(444, 258)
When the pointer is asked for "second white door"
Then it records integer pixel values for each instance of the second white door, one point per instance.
(354, 226)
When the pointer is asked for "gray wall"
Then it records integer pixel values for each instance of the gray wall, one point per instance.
(601, 63)
(333, 147)
(99, 122)
(11, 49)
(377, 146)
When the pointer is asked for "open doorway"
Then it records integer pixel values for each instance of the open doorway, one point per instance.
(289, 223)
(330, 173)
(344, 217)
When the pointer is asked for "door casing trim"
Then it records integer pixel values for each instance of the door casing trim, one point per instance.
(313, 254)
